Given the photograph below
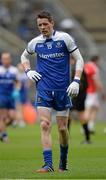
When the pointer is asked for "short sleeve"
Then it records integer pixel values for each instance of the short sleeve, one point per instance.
(70, 43)
(31, 46)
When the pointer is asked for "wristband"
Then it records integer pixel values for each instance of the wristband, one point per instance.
(77, 80)
(27, 70)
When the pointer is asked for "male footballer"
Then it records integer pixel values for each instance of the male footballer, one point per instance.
(53, 85)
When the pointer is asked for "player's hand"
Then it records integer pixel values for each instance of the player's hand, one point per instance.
(33, 75)
(73, 89)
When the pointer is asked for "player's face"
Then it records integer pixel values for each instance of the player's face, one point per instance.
(6, 59)
(45, 26)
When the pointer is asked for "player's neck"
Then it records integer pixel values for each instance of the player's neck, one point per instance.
(49, 36)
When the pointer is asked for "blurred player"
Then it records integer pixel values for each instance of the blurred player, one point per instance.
(23, 98)
(8, 80)
(52, 77)
(79, 103)
(94, 87)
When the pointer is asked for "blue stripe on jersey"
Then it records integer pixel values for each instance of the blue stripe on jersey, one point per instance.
(53, 65)
(7, 80)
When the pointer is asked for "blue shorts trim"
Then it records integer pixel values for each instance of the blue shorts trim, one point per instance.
(58, 100)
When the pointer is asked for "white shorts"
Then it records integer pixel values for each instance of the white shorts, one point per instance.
(92, 99)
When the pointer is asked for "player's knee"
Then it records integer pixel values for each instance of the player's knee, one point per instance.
(45, 125)
(62, 129)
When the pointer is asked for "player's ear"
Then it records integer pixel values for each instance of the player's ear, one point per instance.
(52, 22)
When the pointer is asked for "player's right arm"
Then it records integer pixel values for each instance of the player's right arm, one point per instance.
(25, 60)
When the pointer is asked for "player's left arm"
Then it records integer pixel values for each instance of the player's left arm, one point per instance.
(73, 88)
(74, 51)
(79, 64)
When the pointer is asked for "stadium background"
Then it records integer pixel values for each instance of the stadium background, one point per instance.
(88, 22)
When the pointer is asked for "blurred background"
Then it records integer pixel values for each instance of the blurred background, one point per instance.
(85, 20)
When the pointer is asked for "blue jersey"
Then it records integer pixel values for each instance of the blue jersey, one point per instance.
(24, 87)
(7, 79)
(53, 60)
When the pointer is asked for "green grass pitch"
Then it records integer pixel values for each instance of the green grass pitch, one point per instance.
(23, 155)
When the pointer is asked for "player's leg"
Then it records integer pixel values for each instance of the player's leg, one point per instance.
(3, 117)
(44, 115)
(91, 110)
(84, 124)
(44, 104)
(19, 115)
(81, 114)
(92, 117)
(62, 122)
(11, 107)
(62, 104)
(3, 133)
(69, 121)
(20, 105)
(11, 116)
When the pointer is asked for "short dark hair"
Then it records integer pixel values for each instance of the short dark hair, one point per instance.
(45, 14)
(95, 58)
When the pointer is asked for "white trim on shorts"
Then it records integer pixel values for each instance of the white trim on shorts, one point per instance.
(48, 108)
(64, 113)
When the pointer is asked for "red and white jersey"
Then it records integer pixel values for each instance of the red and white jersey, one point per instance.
(92, 72)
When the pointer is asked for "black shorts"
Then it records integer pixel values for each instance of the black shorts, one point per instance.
(79, 102)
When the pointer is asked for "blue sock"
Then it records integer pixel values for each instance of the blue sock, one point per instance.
(48, 157)
(4, 135)
(63, 152)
